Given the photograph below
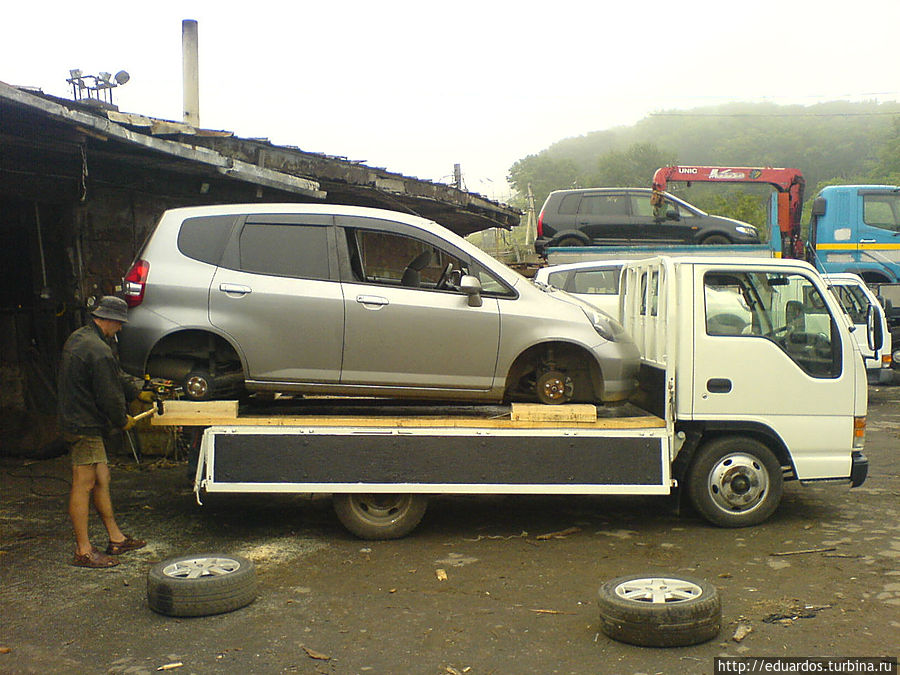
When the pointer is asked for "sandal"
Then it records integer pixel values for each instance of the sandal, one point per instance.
(128, 544)
(94, 560)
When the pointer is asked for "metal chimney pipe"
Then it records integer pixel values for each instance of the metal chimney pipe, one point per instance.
(190, 72)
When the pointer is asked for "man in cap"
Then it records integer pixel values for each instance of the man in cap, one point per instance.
(93, 392)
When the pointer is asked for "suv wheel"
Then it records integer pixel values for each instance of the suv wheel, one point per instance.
(716, 239)
(570, 241)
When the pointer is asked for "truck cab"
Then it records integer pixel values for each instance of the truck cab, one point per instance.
(778, 387)
(856, 228)
(862, 307)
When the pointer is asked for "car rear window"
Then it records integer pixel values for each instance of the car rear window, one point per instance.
(285, 250)
(204, 238)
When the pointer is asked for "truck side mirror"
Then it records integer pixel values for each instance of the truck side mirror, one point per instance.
(818, 207)
(471, 286)
(874, 333)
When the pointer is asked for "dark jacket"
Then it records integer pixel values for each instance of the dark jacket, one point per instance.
(92, 390)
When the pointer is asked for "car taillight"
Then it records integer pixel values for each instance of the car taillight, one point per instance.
(540, 224)
(135, 282)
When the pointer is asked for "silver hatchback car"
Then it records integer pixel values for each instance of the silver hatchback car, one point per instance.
(325, 299)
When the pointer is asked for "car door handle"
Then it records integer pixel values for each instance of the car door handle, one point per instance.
(718, 385)
(235, 288)
(866, 241)
(375, 300)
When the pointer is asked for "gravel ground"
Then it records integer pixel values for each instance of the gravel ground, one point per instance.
(514, 600)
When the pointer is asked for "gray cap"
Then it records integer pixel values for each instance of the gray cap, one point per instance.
(111, 307)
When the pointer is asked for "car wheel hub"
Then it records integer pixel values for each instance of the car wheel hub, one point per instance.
(201, 567)
(658, 590)
(554, 387)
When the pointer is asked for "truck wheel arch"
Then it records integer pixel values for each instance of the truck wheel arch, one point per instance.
(704, 432)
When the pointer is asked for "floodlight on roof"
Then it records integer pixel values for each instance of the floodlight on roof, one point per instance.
(91, 87)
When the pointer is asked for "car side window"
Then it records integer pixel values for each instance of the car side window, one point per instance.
(785, 308)
(640, 206)
(285, 250)
(204, 238)
(568, 205)
(601, 282)
(603, 205)
(393, 259)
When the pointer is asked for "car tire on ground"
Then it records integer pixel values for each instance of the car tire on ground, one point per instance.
(735, 481)
(200, 585)
(659, 611)
(380, 516)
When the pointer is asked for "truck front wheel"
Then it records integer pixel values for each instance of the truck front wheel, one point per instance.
(735, 481)
(380, 516)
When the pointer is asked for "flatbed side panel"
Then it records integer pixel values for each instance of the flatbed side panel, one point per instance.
(243, 459)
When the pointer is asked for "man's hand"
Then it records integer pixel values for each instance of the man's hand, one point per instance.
(129, 423)
(147, 396)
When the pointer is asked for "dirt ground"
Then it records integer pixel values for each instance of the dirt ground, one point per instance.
(513, 601)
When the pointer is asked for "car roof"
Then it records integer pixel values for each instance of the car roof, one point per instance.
(602, 189)
(509, 275)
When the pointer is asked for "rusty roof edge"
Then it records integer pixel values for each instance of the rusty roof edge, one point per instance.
(225, 165)
(465, 196)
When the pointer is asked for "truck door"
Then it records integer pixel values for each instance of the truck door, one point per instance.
(768, 350)
(878, 233)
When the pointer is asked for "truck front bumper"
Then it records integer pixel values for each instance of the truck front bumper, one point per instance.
(859, 469)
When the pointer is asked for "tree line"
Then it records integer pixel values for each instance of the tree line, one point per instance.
(831, 143)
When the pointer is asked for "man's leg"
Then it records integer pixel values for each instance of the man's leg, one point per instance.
(103, 503)
(83, 481)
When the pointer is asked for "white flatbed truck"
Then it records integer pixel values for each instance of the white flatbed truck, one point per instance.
(728, 407)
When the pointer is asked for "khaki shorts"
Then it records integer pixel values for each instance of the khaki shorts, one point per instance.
(85, 449)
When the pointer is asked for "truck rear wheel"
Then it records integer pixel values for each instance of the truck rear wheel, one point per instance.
(735, 481)
(380, 516)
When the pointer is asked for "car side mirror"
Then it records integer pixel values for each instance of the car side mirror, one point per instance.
(471, 286)
(672, 215)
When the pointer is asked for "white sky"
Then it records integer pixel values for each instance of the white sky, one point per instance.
(418, 86)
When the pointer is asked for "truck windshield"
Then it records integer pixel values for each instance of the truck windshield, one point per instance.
(882, 210)
(854, 302)
(785, 308)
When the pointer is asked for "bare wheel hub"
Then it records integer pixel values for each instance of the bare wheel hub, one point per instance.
(555, 387)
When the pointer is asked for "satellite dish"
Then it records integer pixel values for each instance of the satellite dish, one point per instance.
(122, 77)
